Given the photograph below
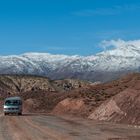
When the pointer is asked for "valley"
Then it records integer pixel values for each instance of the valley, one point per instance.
(71, 109)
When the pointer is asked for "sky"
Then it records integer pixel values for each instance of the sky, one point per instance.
(66, 26)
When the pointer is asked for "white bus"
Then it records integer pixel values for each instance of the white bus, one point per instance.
(13, 105)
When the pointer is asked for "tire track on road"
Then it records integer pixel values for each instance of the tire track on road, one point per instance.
(4, 131)
(47, 131)
(17, 131)
(35, 132)
(72, 129)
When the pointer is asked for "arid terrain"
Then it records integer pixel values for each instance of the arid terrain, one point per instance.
(72, 109)
(48, 127)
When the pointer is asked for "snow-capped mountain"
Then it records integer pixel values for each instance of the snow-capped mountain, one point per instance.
(103, 66)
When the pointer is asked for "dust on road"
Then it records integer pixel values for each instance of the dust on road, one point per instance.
(47, 127)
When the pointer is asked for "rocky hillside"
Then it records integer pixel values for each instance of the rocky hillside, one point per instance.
(40, 94)
(117, 101)
(19, 84)
(122, 108)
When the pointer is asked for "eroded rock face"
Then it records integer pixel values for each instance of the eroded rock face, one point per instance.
(70, 106)
(18, 84)
(105, 111)
(123, 107)
(30, 105)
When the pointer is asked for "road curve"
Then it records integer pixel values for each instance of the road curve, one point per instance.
(47, 127)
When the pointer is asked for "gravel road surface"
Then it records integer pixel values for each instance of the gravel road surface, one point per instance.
(48, 127)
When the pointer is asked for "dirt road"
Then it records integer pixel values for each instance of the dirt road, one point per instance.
(47, 127)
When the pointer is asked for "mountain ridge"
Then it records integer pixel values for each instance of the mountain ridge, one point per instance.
(110, 64)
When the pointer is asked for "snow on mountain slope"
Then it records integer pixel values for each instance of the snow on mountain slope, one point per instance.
(104, 66)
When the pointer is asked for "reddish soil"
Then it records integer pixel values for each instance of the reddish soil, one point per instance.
(123, 107)
(117, 101)
(45, 127)
(70, 106)
(120, 99)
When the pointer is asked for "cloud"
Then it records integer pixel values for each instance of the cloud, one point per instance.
(115, 10)
(105, 44)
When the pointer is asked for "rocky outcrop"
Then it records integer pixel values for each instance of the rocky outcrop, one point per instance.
(15, 84)
(116, 101)
(123, 107)
(70, 106)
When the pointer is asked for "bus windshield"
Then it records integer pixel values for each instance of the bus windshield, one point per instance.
(12, 102)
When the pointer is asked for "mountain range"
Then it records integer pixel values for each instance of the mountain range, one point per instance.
(105, 66)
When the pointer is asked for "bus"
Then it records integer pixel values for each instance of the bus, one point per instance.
(13, 105)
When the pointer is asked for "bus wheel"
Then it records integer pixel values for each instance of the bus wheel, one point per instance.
(20, 113)
(5, 114)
